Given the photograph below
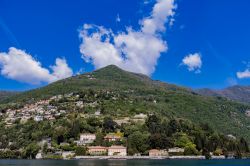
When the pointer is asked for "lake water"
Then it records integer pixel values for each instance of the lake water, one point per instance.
(124, 162)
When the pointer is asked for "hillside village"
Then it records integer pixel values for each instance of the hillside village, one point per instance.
(44, 110)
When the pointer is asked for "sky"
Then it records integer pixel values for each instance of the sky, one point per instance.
(197, 44)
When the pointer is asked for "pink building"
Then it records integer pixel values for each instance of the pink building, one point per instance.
(97, 150)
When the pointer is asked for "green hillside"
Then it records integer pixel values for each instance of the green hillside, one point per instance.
(137, 93)
(237, 93)
(6, 94)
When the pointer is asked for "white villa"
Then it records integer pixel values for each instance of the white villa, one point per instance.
(38, 118)
(175, 150)
(140, 116)
(248, 113)
(86, 139)
(117, 151)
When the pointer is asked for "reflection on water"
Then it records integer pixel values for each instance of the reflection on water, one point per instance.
(125, 163)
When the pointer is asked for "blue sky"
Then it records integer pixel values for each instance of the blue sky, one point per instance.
(212, 35)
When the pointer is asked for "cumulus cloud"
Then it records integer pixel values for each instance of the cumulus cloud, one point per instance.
(60, 70)
(193, 62)
(21, 66)
(132, 50)
(243, 74)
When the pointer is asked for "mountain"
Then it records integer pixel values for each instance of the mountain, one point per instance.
(110, 77)
(236, 93)
(6, 94)
(138, 93)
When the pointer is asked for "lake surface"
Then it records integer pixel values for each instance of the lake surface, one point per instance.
(124, 162)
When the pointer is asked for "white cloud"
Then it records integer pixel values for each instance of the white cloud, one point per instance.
(193, 62)
(60, 70)
(132, 50)
(243, 74)
(20, 66)
(163, 11)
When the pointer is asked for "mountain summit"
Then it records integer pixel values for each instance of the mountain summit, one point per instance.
(109, 77)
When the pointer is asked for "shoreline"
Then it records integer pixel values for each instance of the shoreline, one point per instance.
(138, 158)
(149, 158)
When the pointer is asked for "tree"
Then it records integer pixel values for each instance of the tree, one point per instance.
(75, 129)
(94, 122)
(59, 134)
(81, 151)
(190, 149)
(206, 153)
(213, 142)
(243, 145)
(138, 142)
(238, 154)
(45, 148)
(109, 125)
(99, 139)
(31, 151)
(199, 140)
(160, 141)
(218, 152)
(182, 140)
(154, 124)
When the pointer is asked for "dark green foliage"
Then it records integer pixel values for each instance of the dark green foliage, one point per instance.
(138, 142)
(160, 141)
(30, 151)
(109, 125)
(6, 94)
(238, 93)
(81, 151)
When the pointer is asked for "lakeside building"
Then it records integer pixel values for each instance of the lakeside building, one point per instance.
(97, 150)
(176, 151)
(156, 152)
(111, 151)
(117, 151)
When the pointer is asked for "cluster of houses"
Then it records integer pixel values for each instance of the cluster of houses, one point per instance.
(38, 111)
(43, 110)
